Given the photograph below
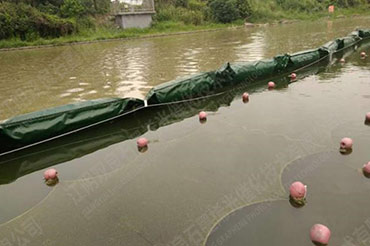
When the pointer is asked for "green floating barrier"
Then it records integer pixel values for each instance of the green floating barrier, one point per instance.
(330, 47)
(348, 41)
(230, 74)
(364, 33)
(206, 83)
(304, 58)
(33, 127)
(252, 71)
(181, 89)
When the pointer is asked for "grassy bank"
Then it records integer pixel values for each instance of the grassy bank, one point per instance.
(106, 32)
(271, 16)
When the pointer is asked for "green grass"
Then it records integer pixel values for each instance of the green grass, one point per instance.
(263, 15)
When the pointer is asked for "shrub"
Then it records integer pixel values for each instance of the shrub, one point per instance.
(87, 22)
(192, 17)
(171, 13)
(28, 23)
(300, 5)
(224, 11)
(197, 5)
(182, 3)
(345, 3)
(165, 13)
(54, 26)
(48, 8)
(72, 8)
(245, 9)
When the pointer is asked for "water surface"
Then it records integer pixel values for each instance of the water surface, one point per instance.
(32, 80)
(193, 174)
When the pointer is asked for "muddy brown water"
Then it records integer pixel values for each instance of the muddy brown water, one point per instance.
(193, 175)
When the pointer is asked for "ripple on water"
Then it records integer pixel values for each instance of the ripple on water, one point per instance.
(131, 89)
(74, 90)
(65, 94)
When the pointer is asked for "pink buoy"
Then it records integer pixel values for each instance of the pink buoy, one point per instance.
(363, 54)
(298, 190)
(366, 169)
(245, 97)
(293, 76)
(202, 115)
(50, 174)
(346, 144)
(142, 142)
(342, 60)
(271, 85)
(320, 234)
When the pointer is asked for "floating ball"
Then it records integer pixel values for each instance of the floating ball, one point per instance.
(342, 60)
(50, 174)
(366, 169)
(293, 76)
(271, 85)
(346, 144)
(320, 234)
(298, 190)
(202, 116)
(363, 54)
(245, 97)
(142, 142)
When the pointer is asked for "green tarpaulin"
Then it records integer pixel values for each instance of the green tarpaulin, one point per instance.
(181, 89)
(364, 33)
(348, 41)
(331, 46)
(30, 128)
(252, 71)
(205, 83)
(304, 58)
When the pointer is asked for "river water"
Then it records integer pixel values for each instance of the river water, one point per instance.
(32, 80)
(193, 175)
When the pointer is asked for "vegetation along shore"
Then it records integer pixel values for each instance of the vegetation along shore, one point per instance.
(56, 22)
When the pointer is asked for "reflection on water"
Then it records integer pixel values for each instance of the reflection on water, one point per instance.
(130, 70)
(189, 61)
(192, 174)
(253, 50)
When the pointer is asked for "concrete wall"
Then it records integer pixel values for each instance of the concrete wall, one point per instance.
(130, 20)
